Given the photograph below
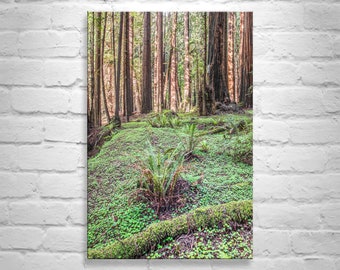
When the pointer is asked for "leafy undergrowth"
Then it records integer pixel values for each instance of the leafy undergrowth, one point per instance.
(228, 242)
(215, 175)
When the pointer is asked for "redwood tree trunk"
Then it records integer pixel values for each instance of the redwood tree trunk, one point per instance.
(158, 77)
(187, 92)
(146, 88)
(173, 66)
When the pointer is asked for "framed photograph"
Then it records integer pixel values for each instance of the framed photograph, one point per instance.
(170, 135)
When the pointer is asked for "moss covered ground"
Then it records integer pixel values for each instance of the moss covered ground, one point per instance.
(216, 175)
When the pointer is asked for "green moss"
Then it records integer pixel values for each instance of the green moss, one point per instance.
(113, 173)
(137, 245)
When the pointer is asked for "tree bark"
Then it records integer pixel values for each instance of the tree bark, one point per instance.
(102, 75)
(158, 77)
(146, 88)
(187, 92)
(173, 66)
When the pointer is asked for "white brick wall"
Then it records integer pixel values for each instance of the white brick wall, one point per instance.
(43, 134)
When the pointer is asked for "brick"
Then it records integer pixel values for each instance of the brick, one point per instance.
(31, 213)
(322, 16)
(11, 260)
(49, 44)
(320, 243)
(174, 264)
(65, 239)
(333, 163)
(336, 46)
(315, 131)
(53, 261)
(302, 45)
(25, 17)
(20, 238)
(21, 130)
(271, 131)
(289, 101)
(61, 158)
(77, 213)
(318, 263)
(65, 130)
(330, 216)
(18, 72)
(271, 187)
(29, 100)
(292, 159)
(278, 73)
(262, 44)
(5, 103)
(62, 185)
(8, 156)
(279, 16)
(78, 102)
(286, 216)
(69, 17)
(271, 243)
(9, 44)
(314, 188)
(320, 73)
(10, 183)
(3, 213)
(331, 100)
(63, 73)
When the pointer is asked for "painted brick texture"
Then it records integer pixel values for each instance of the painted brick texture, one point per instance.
(43, 134)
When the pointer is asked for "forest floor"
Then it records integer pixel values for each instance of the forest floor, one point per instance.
(219, 171)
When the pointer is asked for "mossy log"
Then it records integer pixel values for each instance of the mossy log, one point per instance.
(139, 244)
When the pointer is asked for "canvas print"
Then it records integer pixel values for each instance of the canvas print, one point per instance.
(170, 135)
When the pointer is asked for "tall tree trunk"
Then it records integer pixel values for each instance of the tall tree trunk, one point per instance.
(158, 77)
(114, 63)
(173, 66)
(91, 63)
(231, 86)
(97, 78)
(187, 92)
(127, 80)
(117, 87)
(146, 89)
(201, 90)
(131, 105)
(102, 71)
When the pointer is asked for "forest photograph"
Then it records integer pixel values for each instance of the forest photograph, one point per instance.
(170, 135)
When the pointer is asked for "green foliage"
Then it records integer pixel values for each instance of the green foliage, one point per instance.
(137, 245)
(164, 119)
(241, 148)
(204, 146)
(191, 139)
(113, 173)
(160, 174)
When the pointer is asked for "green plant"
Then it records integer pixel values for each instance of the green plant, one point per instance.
(204, 146)
(191, 140)
(241, 148)
(164, 119)
(159, 176)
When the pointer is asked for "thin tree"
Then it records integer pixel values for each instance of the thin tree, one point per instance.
(187, 92)
(102, 70)
(146, 88)
(173, 66)
(158, 78)
(117, 86)
(231, 86)
(97, 78)
(91, 87)
(127, 85)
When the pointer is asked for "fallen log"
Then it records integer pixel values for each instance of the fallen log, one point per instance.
(139, 244)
